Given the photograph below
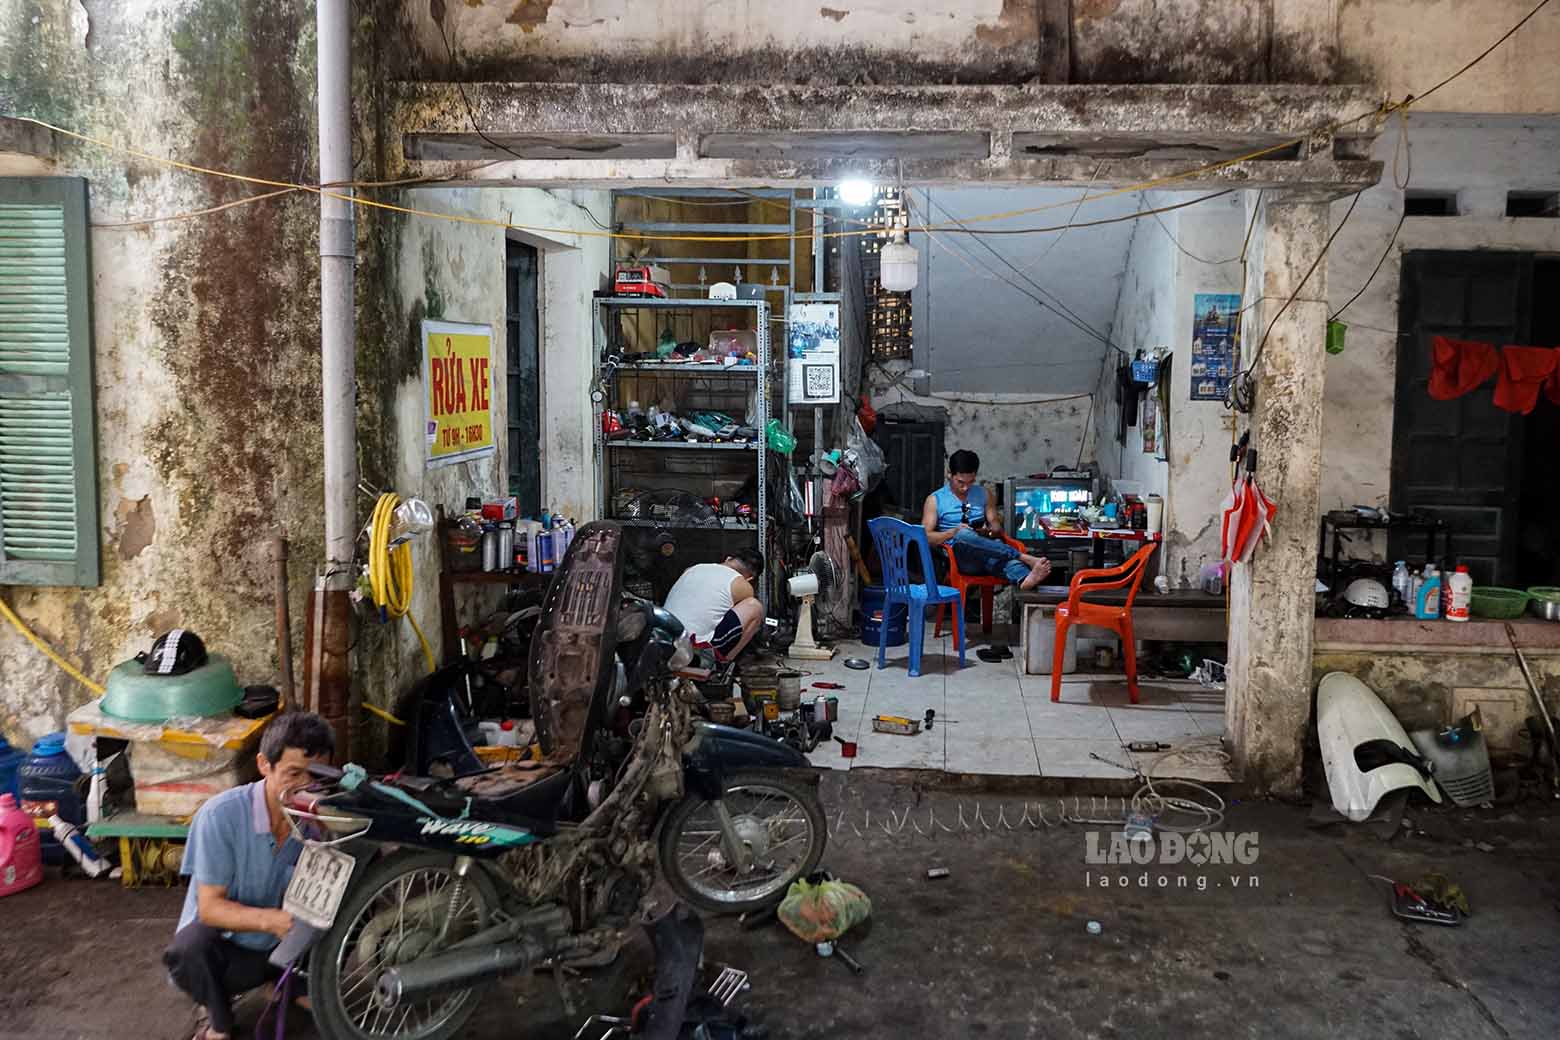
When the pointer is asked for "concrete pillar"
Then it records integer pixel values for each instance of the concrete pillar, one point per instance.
(1271, 600)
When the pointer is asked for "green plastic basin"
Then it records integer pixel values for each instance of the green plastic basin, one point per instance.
(134, 696)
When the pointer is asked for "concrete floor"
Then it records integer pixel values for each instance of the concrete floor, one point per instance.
(999, 949)
(994, 720)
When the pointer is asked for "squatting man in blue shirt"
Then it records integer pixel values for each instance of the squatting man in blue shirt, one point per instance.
(240, 855)
(962, 514)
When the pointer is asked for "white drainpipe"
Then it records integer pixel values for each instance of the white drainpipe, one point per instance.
(338, 248)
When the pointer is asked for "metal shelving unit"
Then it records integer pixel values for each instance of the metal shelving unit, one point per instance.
(621, 333)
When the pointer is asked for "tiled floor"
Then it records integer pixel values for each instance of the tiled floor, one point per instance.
(991, 719)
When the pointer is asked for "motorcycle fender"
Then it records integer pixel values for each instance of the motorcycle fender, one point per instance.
(718, 751)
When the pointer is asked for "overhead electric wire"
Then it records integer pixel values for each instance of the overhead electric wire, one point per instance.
(1382, 110)
(1056, 305)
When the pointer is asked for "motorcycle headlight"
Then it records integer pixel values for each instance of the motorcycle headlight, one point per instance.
(682, 656)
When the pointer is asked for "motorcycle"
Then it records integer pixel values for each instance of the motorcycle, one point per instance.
(424, 890)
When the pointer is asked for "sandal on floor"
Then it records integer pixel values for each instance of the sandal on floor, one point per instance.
(991, 656)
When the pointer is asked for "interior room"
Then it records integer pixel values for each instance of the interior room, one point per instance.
(1070, 354)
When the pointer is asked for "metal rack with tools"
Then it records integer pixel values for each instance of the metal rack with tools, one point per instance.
(691, 490)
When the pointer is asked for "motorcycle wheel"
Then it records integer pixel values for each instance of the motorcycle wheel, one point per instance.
(780, 819)
(393, 915)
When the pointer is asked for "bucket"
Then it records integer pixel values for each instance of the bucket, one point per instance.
(788, 688)
(48, 787)
(872, 618)
(10, 762)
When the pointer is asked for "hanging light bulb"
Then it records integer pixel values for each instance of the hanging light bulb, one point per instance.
(856, 192)
(898, 263)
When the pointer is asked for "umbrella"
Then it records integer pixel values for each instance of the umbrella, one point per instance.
(1248, 513)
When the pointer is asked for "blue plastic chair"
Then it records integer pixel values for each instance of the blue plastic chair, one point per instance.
(894, 539)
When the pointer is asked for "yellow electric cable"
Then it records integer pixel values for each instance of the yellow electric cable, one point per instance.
(390, 570)
(374, 709)
(47, 650)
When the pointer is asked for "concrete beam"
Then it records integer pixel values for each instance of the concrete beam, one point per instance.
(628, 108)
(1272, 599)
(1322, 179)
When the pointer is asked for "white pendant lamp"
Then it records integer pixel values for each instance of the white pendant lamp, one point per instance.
(897, 263)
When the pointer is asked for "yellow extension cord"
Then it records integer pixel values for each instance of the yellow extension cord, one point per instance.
(47, 650)
(390, 571)
(389, 576)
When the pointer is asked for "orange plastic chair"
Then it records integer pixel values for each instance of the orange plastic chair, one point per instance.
(1078, 611)
(963, 582)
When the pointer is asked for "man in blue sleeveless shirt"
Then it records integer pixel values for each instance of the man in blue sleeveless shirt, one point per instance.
(963, 514)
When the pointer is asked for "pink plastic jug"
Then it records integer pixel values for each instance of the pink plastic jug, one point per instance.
(21, 855)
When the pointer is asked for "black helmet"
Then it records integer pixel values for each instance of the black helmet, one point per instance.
(174, 653)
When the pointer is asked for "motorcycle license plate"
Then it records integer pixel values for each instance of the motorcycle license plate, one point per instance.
(318, 884)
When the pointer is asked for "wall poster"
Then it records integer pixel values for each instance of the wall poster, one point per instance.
(812, 353)
(1215, 344)
(457, 376)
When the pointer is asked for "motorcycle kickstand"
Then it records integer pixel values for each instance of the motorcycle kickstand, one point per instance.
(738, 852)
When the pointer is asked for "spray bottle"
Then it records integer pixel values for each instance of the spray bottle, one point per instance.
(79, 847)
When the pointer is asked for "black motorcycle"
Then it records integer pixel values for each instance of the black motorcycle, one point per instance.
(426, 888)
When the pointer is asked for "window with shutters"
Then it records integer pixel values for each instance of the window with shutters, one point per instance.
(48, 461)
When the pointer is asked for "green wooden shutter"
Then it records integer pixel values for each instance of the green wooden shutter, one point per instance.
(48, 459)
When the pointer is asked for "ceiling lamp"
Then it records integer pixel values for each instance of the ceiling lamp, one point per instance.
(898, 263)
(856, 192)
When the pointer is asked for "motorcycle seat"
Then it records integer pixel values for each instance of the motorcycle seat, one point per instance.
(530, 793)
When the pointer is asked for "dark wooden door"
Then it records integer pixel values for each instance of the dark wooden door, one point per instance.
(1459, 460)
(523, 346)
(916, 463)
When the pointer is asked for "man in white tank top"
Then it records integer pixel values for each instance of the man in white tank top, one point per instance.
(716, 604)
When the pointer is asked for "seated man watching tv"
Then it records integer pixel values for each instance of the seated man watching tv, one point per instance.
(962, 513)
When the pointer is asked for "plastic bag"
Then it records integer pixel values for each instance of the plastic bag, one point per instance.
(823, 912)
(870, 464)
(779, 438)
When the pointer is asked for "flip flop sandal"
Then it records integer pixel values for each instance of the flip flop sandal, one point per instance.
(991, 656)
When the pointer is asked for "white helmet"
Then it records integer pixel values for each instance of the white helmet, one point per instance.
(1367, 592)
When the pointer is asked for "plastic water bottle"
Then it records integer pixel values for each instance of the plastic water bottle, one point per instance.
(1400, 580)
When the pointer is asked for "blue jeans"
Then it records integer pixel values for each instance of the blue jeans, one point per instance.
(980, 556)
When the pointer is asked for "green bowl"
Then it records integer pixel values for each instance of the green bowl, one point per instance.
(132, 695)
(1545, 592)
(1496, 603)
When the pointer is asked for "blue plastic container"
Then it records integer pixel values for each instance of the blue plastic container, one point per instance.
(10, 763)
(872, 618)
(48, 781)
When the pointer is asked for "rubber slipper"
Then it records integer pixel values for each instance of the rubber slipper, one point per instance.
(990, 656)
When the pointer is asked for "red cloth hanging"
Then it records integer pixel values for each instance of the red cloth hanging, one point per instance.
(1458, 366)
(1523, 372)
(1552, 384)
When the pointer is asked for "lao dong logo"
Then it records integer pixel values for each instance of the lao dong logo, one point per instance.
(1168, 848)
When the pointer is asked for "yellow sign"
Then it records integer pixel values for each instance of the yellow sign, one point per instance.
(458, 377)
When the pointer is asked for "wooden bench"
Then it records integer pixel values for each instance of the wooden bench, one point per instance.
(1180, 615)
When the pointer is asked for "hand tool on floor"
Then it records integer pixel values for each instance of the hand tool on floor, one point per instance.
(1543, 710)
(829, 949)
(828, 686)
(1101, 758)
(931, 716)
(905, 727)
(1146, 745)
(847, 747)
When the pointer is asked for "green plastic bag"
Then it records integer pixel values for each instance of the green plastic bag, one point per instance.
(823, 912)
(779, 438)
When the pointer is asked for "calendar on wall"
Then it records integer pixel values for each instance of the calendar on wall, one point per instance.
(813, 353)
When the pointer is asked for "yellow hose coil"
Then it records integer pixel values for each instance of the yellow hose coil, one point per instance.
(390, 570)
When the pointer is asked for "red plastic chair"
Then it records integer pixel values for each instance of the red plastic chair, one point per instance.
(987, 585)
(1078, 611)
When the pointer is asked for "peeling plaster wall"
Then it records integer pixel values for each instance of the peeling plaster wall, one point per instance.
(1481, 158)
(206, 369)
(1014, 434)
(1155, 309)
(1403, 46)
(450, 271)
